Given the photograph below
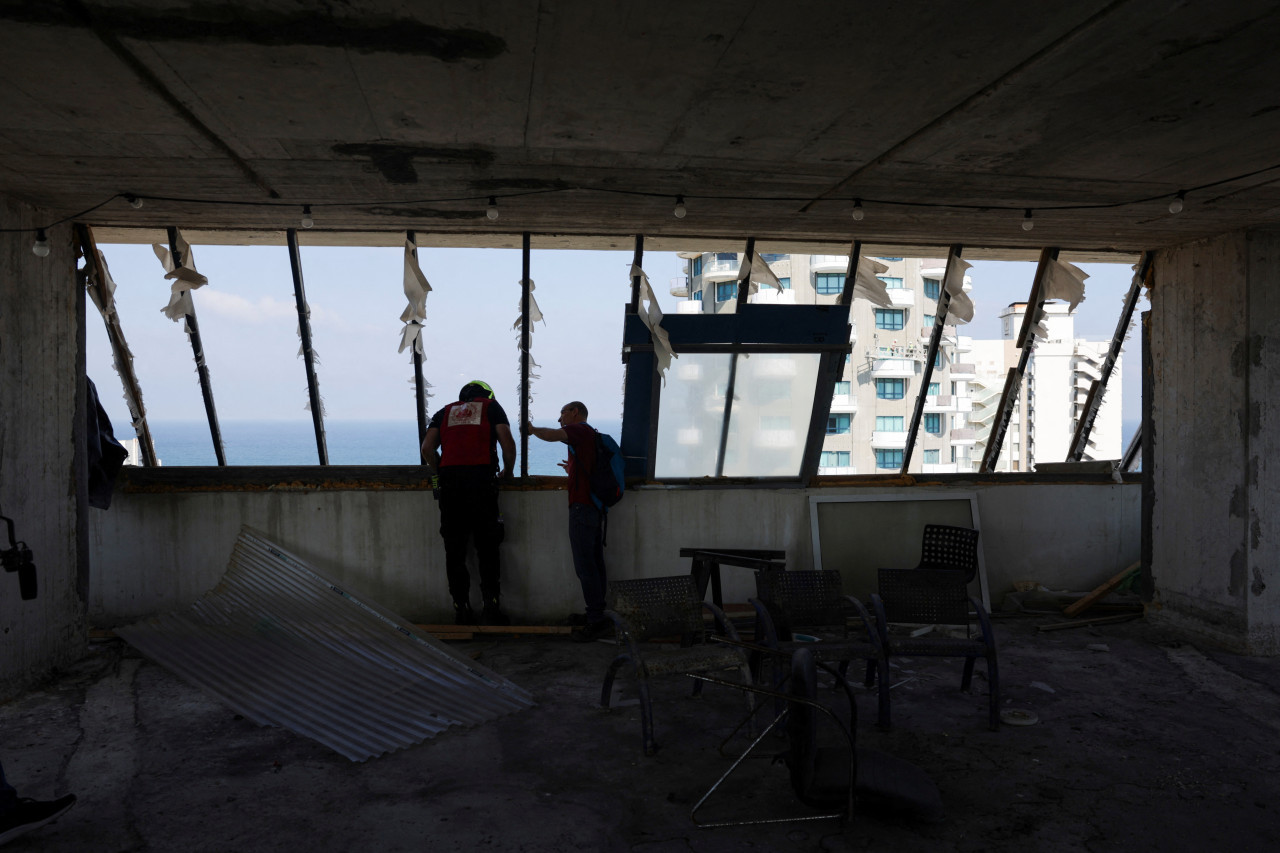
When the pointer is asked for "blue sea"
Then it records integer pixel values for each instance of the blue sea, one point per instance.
(349, 443)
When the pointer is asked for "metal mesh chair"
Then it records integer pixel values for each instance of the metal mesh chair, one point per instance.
(834, 779)
(947, 547)
(814, 601)
(937, 597)
(666, 607)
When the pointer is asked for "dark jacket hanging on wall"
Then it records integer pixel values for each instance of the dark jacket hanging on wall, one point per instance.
(106, 455)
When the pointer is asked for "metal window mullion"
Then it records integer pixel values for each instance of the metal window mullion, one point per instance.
(728, 412)
(935, 340)
(830, 366)
(524, 353)
(1013, 380)
(197, 352)
(308, 354)
(419, 384)
(119, 346)
(1099, 387)
(744, 284)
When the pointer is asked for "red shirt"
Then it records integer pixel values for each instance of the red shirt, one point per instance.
(582, 442)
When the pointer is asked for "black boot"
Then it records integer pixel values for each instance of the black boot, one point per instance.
(492, 615)
(463, 614)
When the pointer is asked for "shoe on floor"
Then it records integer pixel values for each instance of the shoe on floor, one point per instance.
(28, 814)
(492, 615)
(463, 614)
(592, 631)
(577, 620)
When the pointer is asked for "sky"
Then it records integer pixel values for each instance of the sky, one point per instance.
(248, 323)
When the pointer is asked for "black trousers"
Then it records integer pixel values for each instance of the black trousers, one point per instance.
(469, 512)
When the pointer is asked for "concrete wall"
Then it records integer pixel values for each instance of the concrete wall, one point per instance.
(155, 552)
(41, 354)
(1215, 534)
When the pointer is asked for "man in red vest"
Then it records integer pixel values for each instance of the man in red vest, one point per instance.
(460, 450)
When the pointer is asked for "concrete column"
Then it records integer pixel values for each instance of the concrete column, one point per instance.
(1216, 414)
(42, 487)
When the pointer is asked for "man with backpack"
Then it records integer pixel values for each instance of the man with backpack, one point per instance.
(586, 519)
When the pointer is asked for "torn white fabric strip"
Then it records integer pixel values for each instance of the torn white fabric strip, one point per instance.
(1064, 281)
(761, 274)
(535, 313)
(411, 336)
(961, 307)
(651, 315)
(416, 287)
(185, 278)
(867, 286)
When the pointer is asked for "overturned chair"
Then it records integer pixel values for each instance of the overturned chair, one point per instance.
(646, 608)
(935, 594)
(834, 780)
(814, 601)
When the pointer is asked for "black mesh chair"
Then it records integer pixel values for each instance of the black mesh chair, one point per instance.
(667, 607)
(935, 593)
(814, 602)
(832, 779)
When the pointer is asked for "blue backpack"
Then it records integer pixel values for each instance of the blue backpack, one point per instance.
(606, 479)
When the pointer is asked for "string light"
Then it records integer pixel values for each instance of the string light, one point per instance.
(134, 201)
(1175, 206)
(858, 212)
(307, 221)
(492, 210)
(681, 211)
(1027, 222)
(40, 248)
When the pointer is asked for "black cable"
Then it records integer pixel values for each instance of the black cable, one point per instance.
(1182, 193)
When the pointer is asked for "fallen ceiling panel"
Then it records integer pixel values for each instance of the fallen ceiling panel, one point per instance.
(285, 647)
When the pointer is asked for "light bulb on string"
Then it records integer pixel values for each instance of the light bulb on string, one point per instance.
(491, 211)
(307, 221)
(134, 201)
(1027, 222)
(858, 212)
(681, 211)
(40, 248)
(1176, 205)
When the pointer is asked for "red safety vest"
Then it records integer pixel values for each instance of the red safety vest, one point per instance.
(465, 435)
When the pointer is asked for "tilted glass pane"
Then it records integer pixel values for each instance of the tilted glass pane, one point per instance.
(767, 431)
(691, 415)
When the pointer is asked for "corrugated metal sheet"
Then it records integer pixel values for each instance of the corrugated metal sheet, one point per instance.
(285, 647)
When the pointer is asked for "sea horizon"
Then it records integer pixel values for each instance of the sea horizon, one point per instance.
(186, 443)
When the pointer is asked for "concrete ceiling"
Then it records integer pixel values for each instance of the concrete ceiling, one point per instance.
(589, 118)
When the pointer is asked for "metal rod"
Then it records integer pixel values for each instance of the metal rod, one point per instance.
(524, 354)
(96, 280)
(744, 284)
(1085, 424)
(1013, 380)
(851, 273)
(197, 350)
(637, 260)
(308, 355)
(728, 412)
(830, 368)
(419, 385)
(935, 340)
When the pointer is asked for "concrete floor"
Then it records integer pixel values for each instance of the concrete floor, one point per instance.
(1147, 745)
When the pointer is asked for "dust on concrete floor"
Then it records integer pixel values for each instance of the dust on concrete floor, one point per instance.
(1150, 744)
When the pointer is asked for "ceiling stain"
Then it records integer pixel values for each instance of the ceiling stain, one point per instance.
(395, 161)
(231, 23)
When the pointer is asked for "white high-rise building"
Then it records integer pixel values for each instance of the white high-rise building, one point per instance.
(875, 395)
(1052, 397)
